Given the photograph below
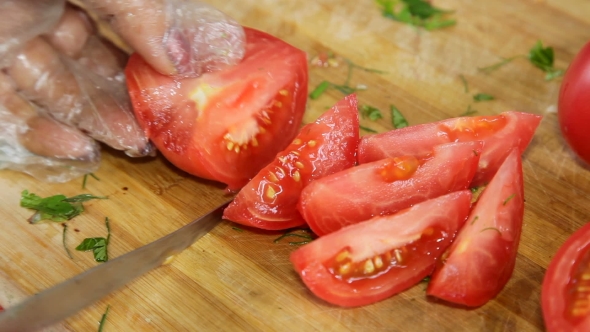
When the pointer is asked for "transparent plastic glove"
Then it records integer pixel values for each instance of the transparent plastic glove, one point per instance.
(177, 37)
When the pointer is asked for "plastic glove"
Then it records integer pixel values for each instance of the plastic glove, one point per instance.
(61, 84)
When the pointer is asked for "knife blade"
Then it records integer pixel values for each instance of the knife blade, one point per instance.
(63, 300)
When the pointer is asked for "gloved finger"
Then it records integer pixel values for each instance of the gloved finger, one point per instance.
(22, 20)
(77, 97)
(176, 37)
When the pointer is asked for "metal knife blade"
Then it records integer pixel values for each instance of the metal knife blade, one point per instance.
(63, 300)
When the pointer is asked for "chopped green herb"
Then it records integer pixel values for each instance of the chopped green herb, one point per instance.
(307, 236)
(508, 199)
(397, 119)
(55, 208)
(469, 111)
(237, 229)
(345, 89)
(474, 219)
(426, 279)
(98, 245)
(475, 153)
(319, 90)
(474, 190)
(86, 177)
(370, 112)
(63, 240)
(465, 85)
(482, 97)
(103, 319)
(418, 13)
(543, 58)
(368, 129)
(490, 229)
(495, 66)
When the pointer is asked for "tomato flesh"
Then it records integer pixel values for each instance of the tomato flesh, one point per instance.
(373, 260)
(481, 260)
(574, 104)
(500, 133)
(387, 186)
(565, 293)
(226, 125)
(321, 148)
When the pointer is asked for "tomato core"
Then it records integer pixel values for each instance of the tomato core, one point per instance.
(578, 289)
(472, 128)
(399, 168)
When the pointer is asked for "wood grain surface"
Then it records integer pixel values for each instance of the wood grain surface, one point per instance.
(233, 280)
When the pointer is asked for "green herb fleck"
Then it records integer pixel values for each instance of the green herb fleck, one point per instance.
(491, 229)
(397, 119)
(367, 129)
(319, 90)
(469, 111)
(474, 219)
(86, 177)
(426, 279)
(465, 85)
(508, 199)
(474, 190)
(63, 240)
(418, 13)
(103, 319)
(495, 66)
(306, 235)
(543, 58)
(98, 245)
(482, 97)
(345, 89)
(55, 208)
(237, 229)
(370, 112)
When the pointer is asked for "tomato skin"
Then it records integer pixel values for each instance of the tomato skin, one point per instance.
(362, 192)
(500, 133)
(375, 237)
(227, 125)
(321, 148)
(574, 104)
(481, 260)
(558, 281)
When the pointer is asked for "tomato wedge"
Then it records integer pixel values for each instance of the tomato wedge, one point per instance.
(373, 260)
(566, 287)
(500, 133)
(387, 186)
(481, 259)
(226, 125)
(324, 147)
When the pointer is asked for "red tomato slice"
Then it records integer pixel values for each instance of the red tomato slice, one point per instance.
(574, 104)
(387, 186)
(324, 147)
(375, 259)
(481, 260)
(566, 287)
(499, 133)
(226, 125)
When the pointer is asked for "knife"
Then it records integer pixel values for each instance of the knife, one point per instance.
(63, 300)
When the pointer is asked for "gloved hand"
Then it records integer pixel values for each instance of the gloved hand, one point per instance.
(62, 85)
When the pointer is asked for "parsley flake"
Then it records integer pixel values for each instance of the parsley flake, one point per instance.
(306, 235)
(98, 245)
(543, 58)
(86, 177)
(367, 129)
(103, 319)
(482, 97)
(370, 112)
(465, 85)
(56, 208)
(319, 90)
(63, 241)
(420, 13)
(508, 199)
(469, 111)
(397, 118)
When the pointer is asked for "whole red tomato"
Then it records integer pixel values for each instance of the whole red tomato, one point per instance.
(574, 104)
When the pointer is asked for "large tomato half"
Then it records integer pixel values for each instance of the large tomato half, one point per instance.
(574, 104)
(566, 288)
(226, 125)
(375, 259)
(500, 133)
(481, 259)
(387, 186)
(324, 147)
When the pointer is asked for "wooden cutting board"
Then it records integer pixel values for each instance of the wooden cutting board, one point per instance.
(235, 279)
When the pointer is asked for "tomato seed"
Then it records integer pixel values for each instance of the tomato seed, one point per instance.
(311, 143)
(299, 165)
(296, 176)
(283, 92)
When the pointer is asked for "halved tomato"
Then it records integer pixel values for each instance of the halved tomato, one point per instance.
(500, 133)
(324, 147)
(375, 259)
(387, 186)
(481, 259)
(225, 125)
(566, 288)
